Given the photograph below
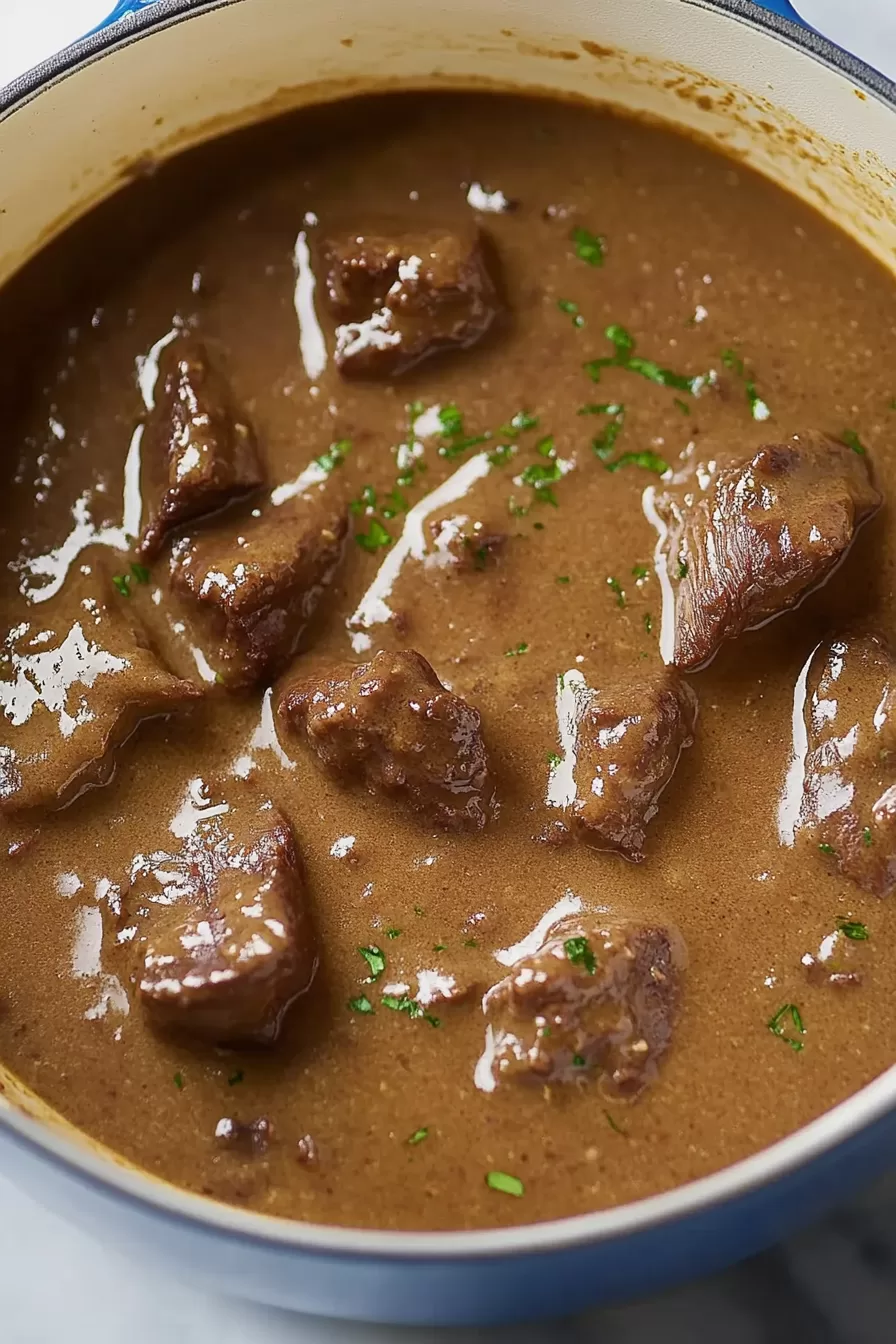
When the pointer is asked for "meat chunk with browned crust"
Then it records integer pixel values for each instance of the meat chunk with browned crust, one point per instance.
(250, 586)
(623, 742)
(197, 452)
(403, 297)
(76, 679)
(848, 807)
(594, 998)
(748, 541)
(226, 941)
(391, 725)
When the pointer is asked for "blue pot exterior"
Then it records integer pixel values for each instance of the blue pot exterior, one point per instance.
(469, 1287)
(462, 1290)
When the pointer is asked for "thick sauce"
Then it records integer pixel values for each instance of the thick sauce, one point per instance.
(700, 258)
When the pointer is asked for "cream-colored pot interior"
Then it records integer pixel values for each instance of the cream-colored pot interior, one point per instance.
(803, 124)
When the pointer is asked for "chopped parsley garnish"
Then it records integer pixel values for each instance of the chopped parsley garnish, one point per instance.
(640, 571)
(418, 1136)
(375, 537)
(616, 587)
(826, 848)
(394, 503)
(758, 408)
(140, 573)
(562, 578)
(541, 476)
(500, 456)
(852, 928)
(682, 569)
(365, 502)
(624, 357)
(579, 1061)
(553, 758)
(779, 1026)
(123, 583)
(517, 423)
(361, 1004)
(440, 947)
(179, 1082)
(578, 951)
(517, 510)
(507, 1185)
(681, 405)
(602, 444)
(235, 1078)
(648, 460)
(616, 1128)
(567, 306)
(470, 942)
(852, 440)
(522, 647)
(403, 1003)
(334, 456)
(589, 247)
(866, 837)
(375, 960)
(648, 622)
(454, 438)
(393, 933)
(418, 910)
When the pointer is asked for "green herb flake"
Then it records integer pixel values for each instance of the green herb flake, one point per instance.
(374, 538)
(140, 573)
(827, 849)
(682, 569)
(393, 933)
(470, 942)
(418, 910)
(616, 587)
(624, 357)
(123, 584)
(522, 647)
(681, 405)
(578, 951)
(562, 578)
(554, 759)
(361, 1004)
(648, 460)
(518, 423)
(567, 306)
(219, 680)
(852, 440)
(506, 1185)
(866, 837)
(640, 571)
(375, 960)
(852, 928)
(579, 1062)
(403, 1003)
(732, 360)
(440, 947)
(648, 622)
(454, 439)
(589, 247)
(334, 456)
(615, 1126)
(779, 1026)
(418, 1136)
(179, 1082)
(235, 1078)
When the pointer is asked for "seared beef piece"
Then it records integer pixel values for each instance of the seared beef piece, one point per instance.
(76, 678)
(403, 298)
(759, 536)
(849, 785)
(252, 585)
(247, 1140)
(628, 738)
(592, 997)
(461, 545)
(840, 959)
(196, 453)
(392, 725)
(227, 942)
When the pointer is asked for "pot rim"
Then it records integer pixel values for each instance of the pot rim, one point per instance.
(88, 1166)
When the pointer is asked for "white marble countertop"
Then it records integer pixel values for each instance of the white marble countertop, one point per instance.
(834, 1284)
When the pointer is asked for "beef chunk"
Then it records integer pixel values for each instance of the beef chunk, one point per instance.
(592, 997)
(849, 785)
(197, 453)
(227, 943)
(623, 744)
(251, 587)
(76, 678)
(403, 298)
(754, 538)
(392, 725)
(460, 544)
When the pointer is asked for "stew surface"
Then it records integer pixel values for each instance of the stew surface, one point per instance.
(413, 815)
